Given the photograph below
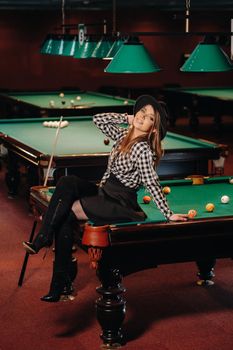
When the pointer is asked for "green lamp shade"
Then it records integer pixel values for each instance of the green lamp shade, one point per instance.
(59, 44)
(102, 48)
(68, 44)
(132, 58)
(46, 47)
(85, 49)
(207, 58)
(114, 48)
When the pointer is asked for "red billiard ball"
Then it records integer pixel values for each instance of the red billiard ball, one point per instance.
(192, 213)
(146, 199)
(106, 141)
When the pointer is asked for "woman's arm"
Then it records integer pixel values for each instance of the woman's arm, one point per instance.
(109, 124)
(151, 181)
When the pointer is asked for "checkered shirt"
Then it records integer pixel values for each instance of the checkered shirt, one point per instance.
(135, 168)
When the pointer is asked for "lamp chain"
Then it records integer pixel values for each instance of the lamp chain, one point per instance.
(114, 16)
(63, 16)
(187, 7)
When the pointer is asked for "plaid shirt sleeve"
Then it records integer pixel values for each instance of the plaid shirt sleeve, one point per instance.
(109, 124)
(151, 182)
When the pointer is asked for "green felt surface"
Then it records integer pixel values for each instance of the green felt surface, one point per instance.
(90, 99)
(221, 93)
(185, 196)
(80, 137)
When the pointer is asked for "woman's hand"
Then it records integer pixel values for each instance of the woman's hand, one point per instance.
(130, 119)
(178, 217)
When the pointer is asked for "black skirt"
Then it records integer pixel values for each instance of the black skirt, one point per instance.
(114, 203)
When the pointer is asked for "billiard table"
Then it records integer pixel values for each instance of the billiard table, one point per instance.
(118, 250)
(81, 150)
(50, 104)
(211, 101)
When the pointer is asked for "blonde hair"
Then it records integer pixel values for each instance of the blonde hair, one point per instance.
(153, 139)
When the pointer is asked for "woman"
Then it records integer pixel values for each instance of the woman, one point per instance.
(132, 162)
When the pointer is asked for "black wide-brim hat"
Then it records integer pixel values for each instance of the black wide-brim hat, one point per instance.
(158, 106)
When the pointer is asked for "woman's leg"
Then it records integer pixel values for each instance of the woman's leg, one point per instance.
(63, 275)
(68, 189)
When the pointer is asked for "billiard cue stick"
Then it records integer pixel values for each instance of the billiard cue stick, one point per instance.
(53, 151)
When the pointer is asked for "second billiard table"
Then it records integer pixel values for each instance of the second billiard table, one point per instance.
(118, 250)
(211, 101)
(51, 104)
(81, 150)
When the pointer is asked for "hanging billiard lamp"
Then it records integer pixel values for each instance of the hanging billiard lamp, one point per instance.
(132, 57)
(207, 57)
(118, 42)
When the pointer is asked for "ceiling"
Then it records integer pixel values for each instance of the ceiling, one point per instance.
(163, 5)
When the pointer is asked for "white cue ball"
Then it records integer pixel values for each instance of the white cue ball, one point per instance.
(78, 98)
(126, 102)
(231, 181)
(61, 95)
(225, 199)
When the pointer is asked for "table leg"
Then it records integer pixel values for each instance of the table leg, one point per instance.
(12, 177)
(206, 272)
(110, 307)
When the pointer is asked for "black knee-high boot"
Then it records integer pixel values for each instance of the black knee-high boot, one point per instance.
(62, 275)
(68, 189)
(72, 273)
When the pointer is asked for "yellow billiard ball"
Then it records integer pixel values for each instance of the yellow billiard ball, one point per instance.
(166, 190)
(146, 199)
(210, 207)
(192, 213)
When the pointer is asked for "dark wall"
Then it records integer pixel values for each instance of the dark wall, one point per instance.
(23, 67)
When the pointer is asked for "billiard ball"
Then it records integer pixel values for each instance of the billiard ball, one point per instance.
(106, 141)
(61, 95)
(72, 103)
(192, 213)
(64, 123)
(126, 102)
(52, 103)
(45, 123)
(146, 199)
(231, 181)
(209, 207)
(166, 190)
(78, 98)
(225, 199)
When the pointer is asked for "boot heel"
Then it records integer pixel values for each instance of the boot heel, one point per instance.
(59, 281)
(39, 242)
